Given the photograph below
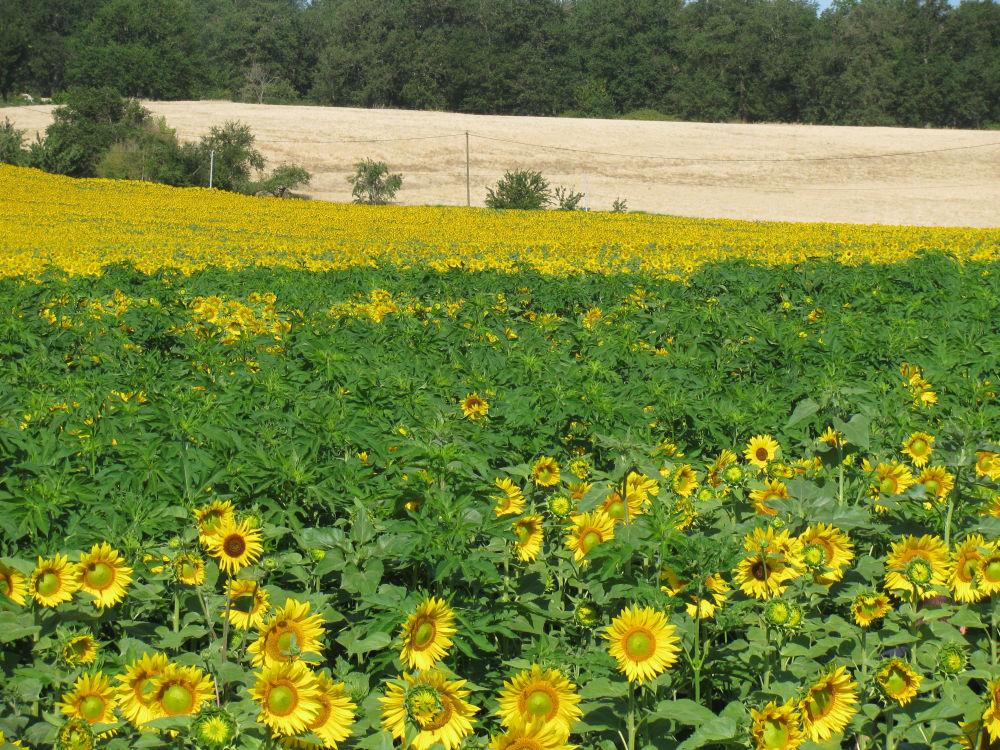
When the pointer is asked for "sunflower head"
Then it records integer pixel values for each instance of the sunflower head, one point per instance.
(236, 545)
(431, 705)
(869, 606)
(474, 407)
(103, 574)
(776, 727)
(13, 584)
(952, 658)
(778, 612)
(643, 642)
(588, 531)
(528, 533)
(427, 634)
(919, 446)
(75, 734)
(761, 450)
(560, 506)
(898, 681)
(53, 581)
(181, 690)
(540, 695)
(214, 729)
(189, 569)
(288, 697)
(829, 704)
(586, 614)
(211, 516)
(510, 499)
(545, 472)
(91, 699)
(78, 649)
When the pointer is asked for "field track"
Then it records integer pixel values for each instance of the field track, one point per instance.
(956, 184)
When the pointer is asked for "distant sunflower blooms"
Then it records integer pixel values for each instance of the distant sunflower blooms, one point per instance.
(773, 489)
(249, 603)
(189, 569)
(136, 690)
(336, 716)
(91, 699)
(713, 594)
(78, 649)
(474, 407)
(103, 574)
(210, 517)
(543, 696)
(776, 727)
(870, 606)
(963, 579)
(774, 561)
(988, 464)
(916, 565)
(427, 634)
(578, 489)
(288, 697)
(685, 480)
(236, 545)
(919, 446)
(643, 642)
(288, 634)
(714, 474)
(181, 690)
(588, 531)
(833, 438)
(898, 681)
(826, 552)
(545, 472)
(991, 716)
(829, 704)
(579, 468)
(53, 581)
(431, 704)
(761, 450)
(534, 736)
(528, 537)
(13, 584)
(510, 499)
(615, 508)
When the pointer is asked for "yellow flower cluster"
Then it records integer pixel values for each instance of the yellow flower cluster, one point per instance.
(234, 319)
(155, 226)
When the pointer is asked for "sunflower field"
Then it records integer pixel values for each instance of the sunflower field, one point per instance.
(743, 505)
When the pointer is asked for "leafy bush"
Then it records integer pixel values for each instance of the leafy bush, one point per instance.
(619, 206)
(235, 158)
(372, 184)
(152, 153)
(11, 144)
(566, 199)
(282, 181)
(523, 189)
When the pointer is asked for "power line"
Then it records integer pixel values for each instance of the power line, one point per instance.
(367, 140)
(722, 161)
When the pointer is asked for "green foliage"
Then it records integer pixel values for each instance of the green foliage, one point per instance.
(282, 181)
(373, 184)
(151, 153)
(11, 144)
(235, 159)
(523, 189)
(566, 199)
(619, 206)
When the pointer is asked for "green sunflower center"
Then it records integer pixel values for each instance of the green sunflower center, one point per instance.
(931, 486)
(639, 645)
(590, 540)
(92, 708)
(424, 634)
(99, 575)
(177, 700)
(281, 700)
(288, 642)
(814, 555)
(523, 532)
(895, 681)
(993, 570)
(919, 572)
(48, 583)
(5, 587)
(887, 486)
(423, 704)
(918, 447)
(775, 734)
(188, 570)
(616, 510)
(819, 704)
(540, 702)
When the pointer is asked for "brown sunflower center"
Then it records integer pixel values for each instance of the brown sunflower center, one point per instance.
(759, 570)
(48, 583)
(99, 575)
(282, 699)
(234, 545)
(92, 708)
(541, 701)
(177, 700)
(424, 633)
(761, 453)
(640, 645)
(524, 743)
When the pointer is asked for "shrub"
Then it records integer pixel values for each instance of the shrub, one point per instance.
(11, 144)
(521, 188)
(282, 181)
(566, 199)
(235, 158)
(153, 154)
(619, 206)
(372, 183)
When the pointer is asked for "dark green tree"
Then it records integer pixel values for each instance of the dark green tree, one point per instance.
(523, 189)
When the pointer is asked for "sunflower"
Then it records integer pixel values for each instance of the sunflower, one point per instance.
(952, 658)
(829, 704)
(776, 727)
(287, 635)
(545, 472)
(248, 603)
(646, 488)
(75, 734)
(474, 407)
(991, 716)
(774, 560)
(615, 508)
(540, 695)
(237, 545)
(826, 551)
(833, 438)
(714, 473)
(703, 608)
(684, 480)
(534, 736)
(103, 574)
(189, 569)
(988, 464)
(79, 649)
(988, 571)
(916, 565)
(53, 581)
(869, 606)
(430, 704)
(579, 468)
(937, 481)
(210, 517)
(91, 699)
(427, 634)
(137, 692)
(588, 531)
(181, 691)
(892, 479)
(561, 506)
(643, 642)
(288, 697)
(214, 729)
(774, 489)
(510, 501)
(975, 737)
(898, 681)
(919, 447)
(528, 530)
(761, 449)
(13, 584)
(578, 489)
(332, 725)
(964, 578)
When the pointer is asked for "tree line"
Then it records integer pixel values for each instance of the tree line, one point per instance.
(860, 62)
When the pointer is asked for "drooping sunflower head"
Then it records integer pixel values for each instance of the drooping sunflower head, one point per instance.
(474, 407)
(952, 658)
(964, 579)
(685, 480)
(919, 446)
(214, 729)
(288, 697)
(916, 565)
(529, 534)
(577, 490)
(545, 472)
(540, 695)
(510, 499)
(91, 699)
(643, 642)
(102, 573)
(714, 473)
(432, 706)
(75, 734)
(236, 545)
(13, 584)
(829, 704)
(775, 559)
(137, 688)
(189, 569)
(427, 634)
(988, 464)
(211, 516)
(892, 479)
(898, 681)
(181, 690)
(53, 581)
(289, 634)
(761, 450)
(532, 736)
(78, 649)
(587, 531)
(833, 438)
(249, 603)
(776, 727)
(869, 606)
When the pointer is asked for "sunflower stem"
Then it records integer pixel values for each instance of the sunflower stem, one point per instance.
(225, 621)
(993, 634)
(208, 617)
(840, 478)
(631, 717)
(947, 520)
(177, 609)
(890, 742)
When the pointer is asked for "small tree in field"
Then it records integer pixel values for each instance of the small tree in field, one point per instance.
(521, 188)
(373, 184)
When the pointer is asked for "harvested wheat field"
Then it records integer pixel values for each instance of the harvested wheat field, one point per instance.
(774, 172)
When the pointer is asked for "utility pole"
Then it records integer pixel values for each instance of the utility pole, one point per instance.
(468, 187)
(211, 166)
